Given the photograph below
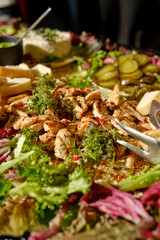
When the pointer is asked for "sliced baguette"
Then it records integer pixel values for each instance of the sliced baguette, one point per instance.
(15, 86)
(17, 71)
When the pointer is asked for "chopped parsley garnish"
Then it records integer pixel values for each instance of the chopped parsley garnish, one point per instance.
(80, 80)
(41, 98)
(114, 53)
(96, 145)
(97, 60)
(48, 33)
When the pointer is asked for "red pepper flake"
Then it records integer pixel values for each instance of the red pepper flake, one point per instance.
(100, 121)
(21, 104)
(75, 157)
(34, 115)
(39, 142)
(72, 198)
(141, 123)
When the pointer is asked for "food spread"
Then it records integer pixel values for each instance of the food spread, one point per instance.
(63, 175)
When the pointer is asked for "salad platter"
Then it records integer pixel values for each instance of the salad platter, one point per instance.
(63, 174)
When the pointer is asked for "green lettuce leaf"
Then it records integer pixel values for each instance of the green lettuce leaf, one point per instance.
(52, 195)
(5, 186)
(145, 179)
(14, 219)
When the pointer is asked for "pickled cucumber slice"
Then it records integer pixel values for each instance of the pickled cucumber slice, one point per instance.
(104, 69)
(122, 58)
(151, 68)
(108, 75)
(134, 75)
(141, 59)
(128, 66)
(110, 83)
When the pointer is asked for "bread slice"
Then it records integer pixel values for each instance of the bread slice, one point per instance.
(17, 71)
(14, 86)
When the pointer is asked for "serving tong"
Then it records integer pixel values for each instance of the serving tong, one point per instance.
(153, 153)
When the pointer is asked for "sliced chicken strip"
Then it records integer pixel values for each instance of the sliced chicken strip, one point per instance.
(53, 126)
(28, 121)
(64, 143)
(114, 98)
(95, 95)
(17, 103)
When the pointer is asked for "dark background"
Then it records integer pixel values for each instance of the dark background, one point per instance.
(86, 15)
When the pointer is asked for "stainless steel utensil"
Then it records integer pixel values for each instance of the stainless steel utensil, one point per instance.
(153, 153)
(34, 25)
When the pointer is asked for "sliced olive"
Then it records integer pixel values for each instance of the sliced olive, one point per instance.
(110, 83)
(122, 58)
(104, 69)
(108, 75)
(150, 68)
(134, 75)
(128, 66)
(141, 59)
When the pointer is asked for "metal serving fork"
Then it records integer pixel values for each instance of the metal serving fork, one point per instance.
(153, 153)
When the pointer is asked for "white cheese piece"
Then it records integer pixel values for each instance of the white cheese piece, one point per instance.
(38, 47)
(14, 86)
(40, 70)
(145, 103)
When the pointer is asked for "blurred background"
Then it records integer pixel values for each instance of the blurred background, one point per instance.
(128, 22)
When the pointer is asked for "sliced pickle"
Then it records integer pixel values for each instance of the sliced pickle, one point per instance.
(126, 82)
(123, 58)
(127, 89)
(110, 83)
(141, 59)
(147, 79)
(150, 68)
(134, 75)
(128, 66)
(104, 69)
(108, 75)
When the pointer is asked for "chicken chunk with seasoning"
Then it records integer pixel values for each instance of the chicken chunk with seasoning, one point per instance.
(64, 143)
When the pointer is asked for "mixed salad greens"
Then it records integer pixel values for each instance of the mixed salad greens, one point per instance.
(46, 199)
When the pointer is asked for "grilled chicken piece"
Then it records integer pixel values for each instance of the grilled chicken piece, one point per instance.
(18, 102)
(130, 162)
(113, 100)
(134, 112)
(51, 114)
(17, 122)
(53, 126)
(28, 121)
(73, 92)
(85, 122)
(100, 110)
(16, 111)
(19, 112)
(95, 95)
(37, 126)
(15, 98)
(80, 108)
(64, 143)
(72, 127)
(44, 138)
